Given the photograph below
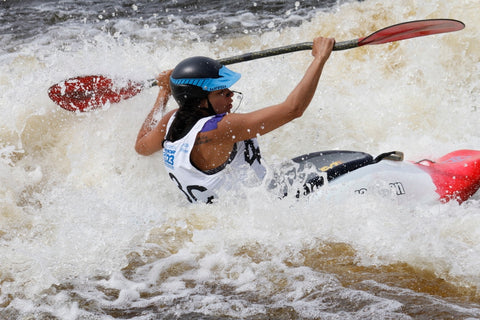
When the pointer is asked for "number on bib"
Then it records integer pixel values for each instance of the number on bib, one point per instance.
(189, 193)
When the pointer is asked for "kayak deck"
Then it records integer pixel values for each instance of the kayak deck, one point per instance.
(455, 176)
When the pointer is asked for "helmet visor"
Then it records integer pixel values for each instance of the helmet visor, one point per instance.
(225, 80)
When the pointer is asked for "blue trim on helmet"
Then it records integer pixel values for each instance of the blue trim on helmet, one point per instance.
(226, 80)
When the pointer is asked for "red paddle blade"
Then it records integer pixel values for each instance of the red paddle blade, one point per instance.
(412, 29)
(91, 92)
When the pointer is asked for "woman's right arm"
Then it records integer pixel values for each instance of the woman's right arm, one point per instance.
(153, 131)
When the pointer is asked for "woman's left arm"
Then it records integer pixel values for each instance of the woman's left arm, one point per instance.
(237, 126)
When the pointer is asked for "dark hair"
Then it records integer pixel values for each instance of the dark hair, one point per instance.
(185, 118)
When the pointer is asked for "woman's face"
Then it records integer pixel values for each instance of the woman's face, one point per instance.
(221, 100)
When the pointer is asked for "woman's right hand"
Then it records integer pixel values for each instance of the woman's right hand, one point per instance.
(163, 80)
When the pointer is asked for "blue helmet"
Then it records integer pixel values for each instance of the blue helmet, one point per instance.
(194, 78)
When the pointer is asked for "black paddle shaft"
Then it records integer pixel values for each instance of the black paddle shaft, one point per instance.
(285, 49)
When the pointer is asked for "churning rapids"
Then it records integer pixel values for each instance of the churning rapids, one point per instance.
(91, 230)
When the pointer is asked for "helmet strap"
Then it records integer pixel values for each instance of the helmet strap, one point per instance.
(210, 108)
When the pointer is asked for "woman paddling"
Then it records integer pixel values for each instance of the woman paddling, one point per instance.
(206, 148)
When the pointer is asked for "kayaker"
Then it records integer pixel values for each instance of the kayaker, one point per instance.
(207, 149)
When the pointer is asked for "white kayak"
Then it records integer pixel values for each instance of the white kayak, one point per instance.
(455, 176)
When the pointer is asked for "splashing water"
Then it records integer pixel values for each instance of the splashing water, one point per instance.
(91, 230)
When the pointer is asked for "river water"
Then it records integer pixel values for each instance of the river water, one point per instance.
(91, 230)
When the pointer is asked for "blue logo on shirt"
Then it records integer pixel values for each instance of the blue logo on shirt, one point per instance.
(185, 147)
(169, 157)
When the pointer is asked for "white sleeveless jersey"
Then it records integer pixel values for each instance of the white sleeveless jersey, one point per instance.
(244, 166)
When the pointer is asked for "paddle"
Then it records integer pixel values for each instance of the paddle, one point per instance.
(91, 92)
